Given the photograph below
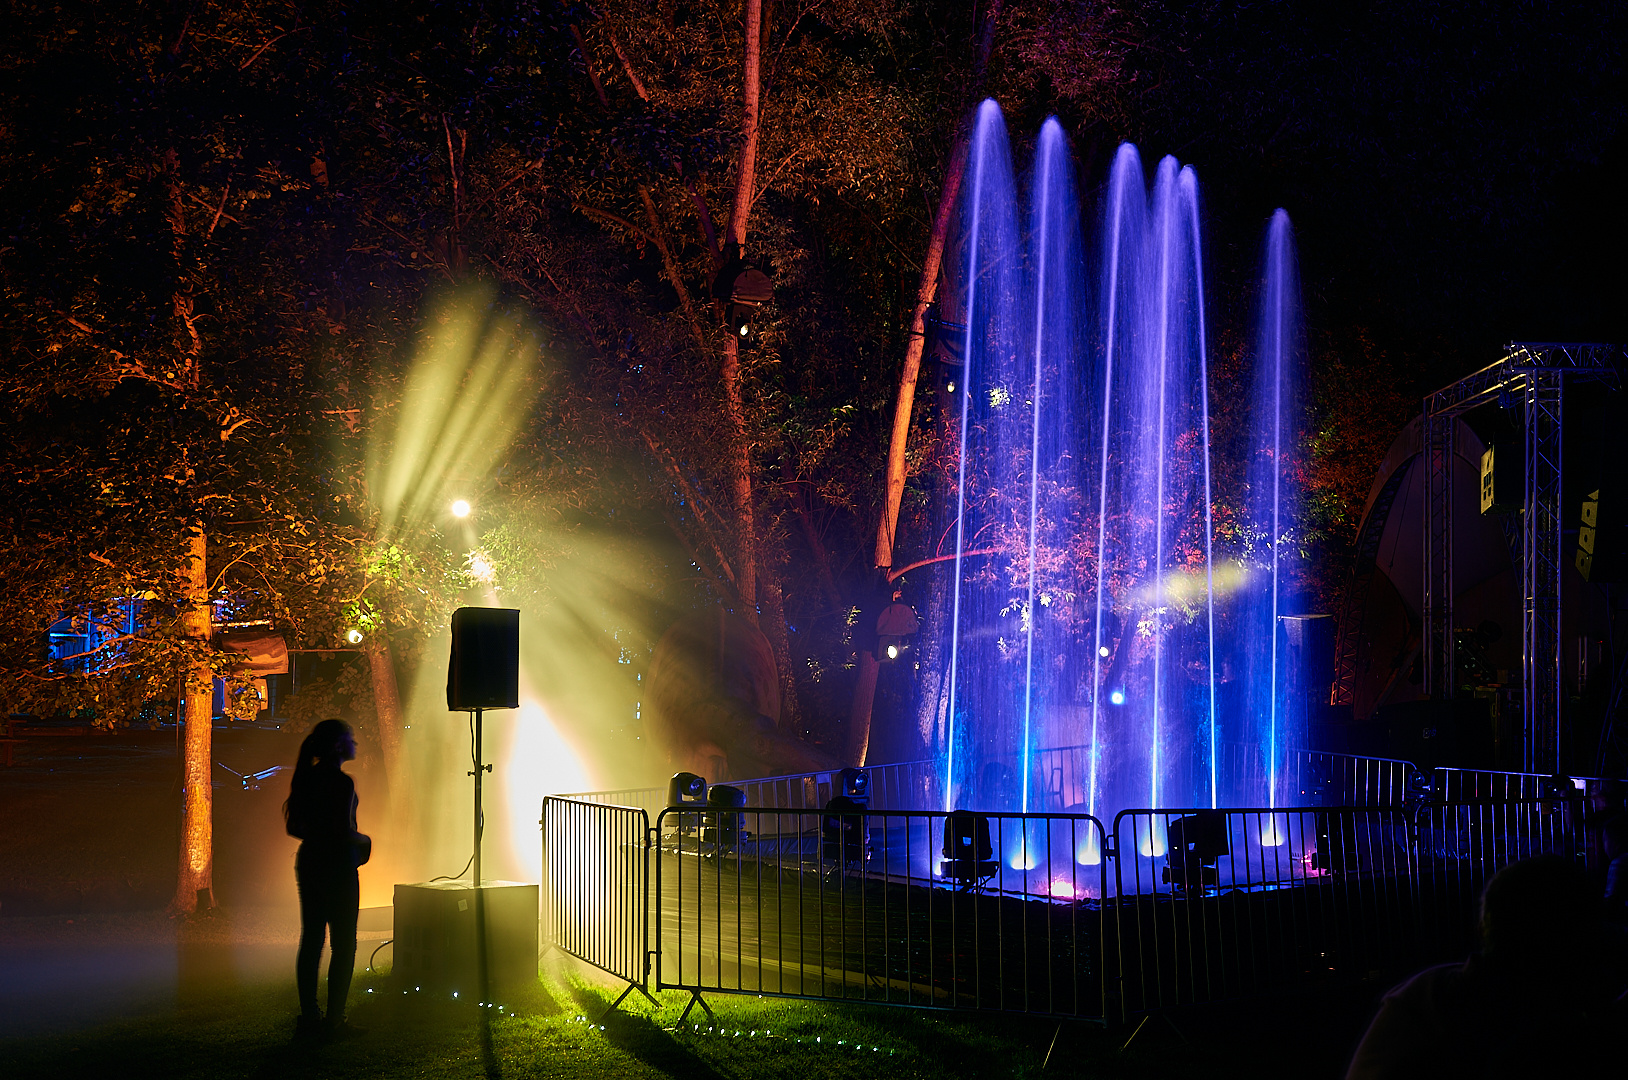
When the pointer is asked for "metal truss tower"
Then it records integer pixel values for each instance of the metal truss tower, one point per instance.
(1532, 376)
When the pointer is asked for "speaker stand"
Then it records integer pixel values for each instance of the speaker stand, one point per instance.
(480, 818)
(482, 969)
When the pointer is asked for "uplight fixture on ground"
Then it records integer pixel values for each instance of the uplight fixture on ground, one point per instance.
(354, 636)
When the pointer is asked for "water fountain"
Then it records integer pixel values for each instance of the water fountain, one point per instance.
(1114, 638)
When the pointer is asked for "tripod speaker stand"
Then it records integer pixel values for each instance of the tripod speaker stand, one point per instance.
(449, 934)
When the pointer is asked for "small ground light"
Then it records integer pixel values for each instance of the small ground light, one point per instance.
(460, 508)
(354, 636)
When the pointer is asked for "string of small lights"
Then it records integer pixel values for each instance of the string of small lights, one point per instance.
(696, 1030)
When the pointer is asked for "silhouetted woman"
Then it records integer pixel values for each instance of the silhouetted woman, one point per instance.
(321, 811)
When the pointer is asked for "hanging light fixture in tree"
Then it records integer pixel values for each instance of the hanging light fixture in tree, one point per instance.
(945, 346)
(895, 626)
(740, 290)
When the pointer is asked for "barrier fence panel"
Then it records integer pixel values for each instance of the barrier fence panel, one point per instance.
(1217, 904)
(908, 785)
(649, 799)
(1473, 785)
(1327, 779)
(1458, 846)
(596, 867)
(922, 908)
(1018, 912)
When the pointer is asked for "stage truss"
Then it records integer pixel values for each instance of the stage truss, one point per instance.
(1531, 376)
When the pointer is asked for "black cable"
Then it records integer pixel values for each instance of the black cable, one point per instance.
(472, 764)
(382, 944)
(459, 874)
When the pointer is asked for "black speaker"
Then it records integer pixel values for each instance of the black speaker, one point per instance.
(485, 669)
(1596, 497)
(1503, 477)
(1456, 733)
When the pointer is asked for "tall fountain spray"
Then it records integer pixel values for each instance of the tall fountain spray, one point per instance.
(1105, 652)
(1154, 709)
(1272, 509)
(992, 423)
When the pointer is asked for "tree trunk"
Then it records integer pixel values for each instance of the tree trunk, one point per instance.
(859, 719)
(195, 884)
(387, 704)
(740, 456)
(774, 628)
(905, 404)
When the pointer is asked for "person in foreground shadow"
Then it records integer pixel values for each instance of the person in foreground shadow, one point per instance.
(1537, 998)
(321, 812)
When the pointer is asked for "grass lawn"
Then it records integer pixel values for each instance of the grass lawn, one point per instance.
(90, 856)
(545, 1031)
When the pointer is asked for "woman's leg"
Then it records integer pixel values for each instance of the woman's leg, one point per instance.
(313, 924)
(342, 921)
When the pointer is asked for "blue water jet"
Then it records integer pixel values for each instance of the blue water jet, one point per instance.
(1272, 508)
(1106, 646)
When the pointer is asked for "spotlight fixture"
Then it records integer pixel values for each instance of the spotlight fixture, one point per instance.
(1195, 845)
(354, 636)
(844, 837)
(968, 855)
(722, 825)
(856, 785)
(1117, 697)
(460, 508)
(686, 789)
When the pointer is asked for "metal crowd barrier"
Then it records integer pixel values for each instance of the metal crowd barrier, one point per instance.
(1020, 912)
(867, 906)
(1327, 779)
(649, 799)
(1318, 778)
(1471, 785)
(1458, 846)
(596, 874)
(1217, 904)
(909, 785)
